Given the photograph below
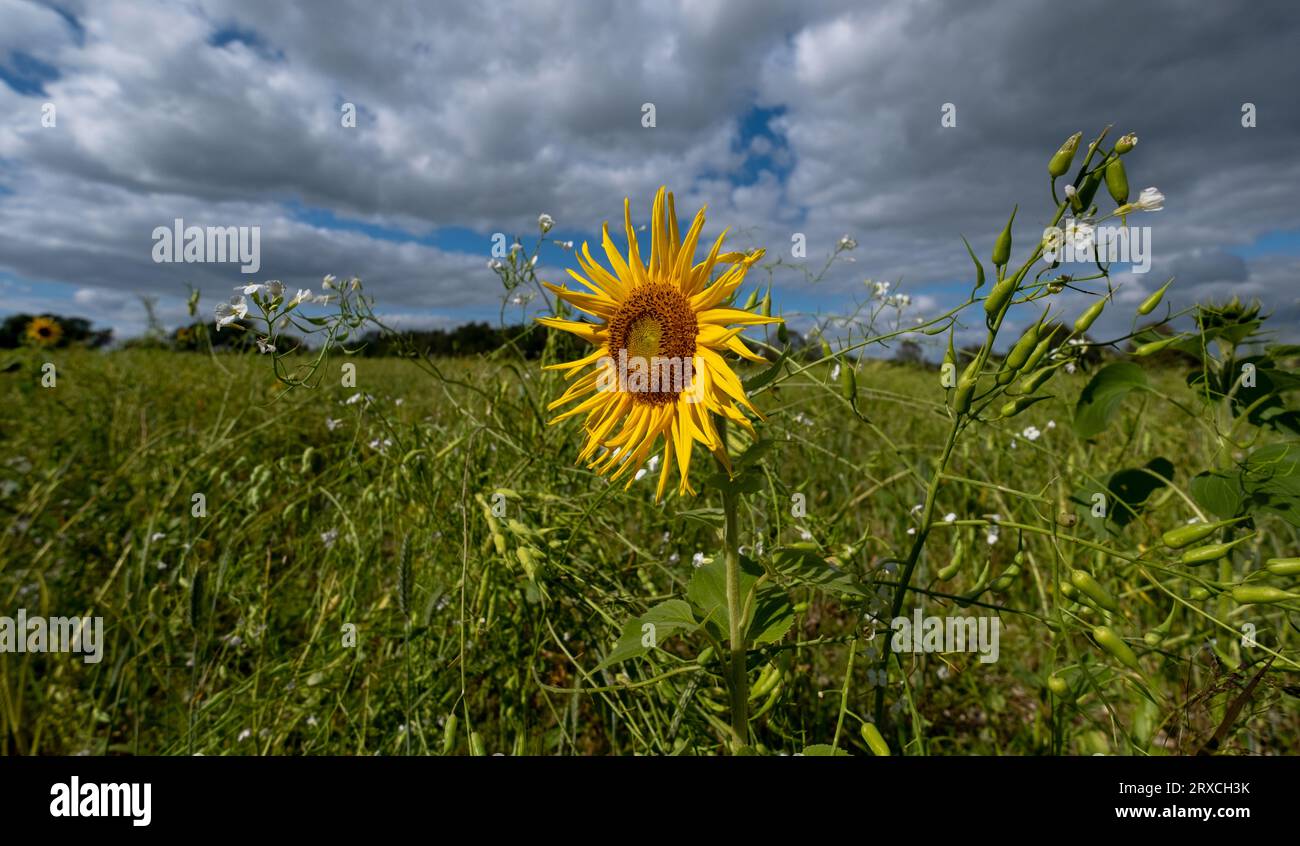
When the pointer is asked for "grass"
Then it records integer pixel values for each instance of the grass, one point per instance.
(230, 633)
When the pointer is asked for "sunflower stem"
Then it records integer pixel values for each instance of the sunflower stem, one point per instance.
(739, 682)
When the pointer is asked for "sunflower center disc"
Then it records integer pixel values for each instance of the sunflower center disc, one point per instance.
(656, 322)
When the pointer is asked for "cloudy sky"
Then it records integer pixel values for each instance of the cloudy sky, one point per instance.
(820, 118)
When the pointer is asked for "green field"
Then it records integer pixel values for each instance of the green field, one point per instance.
(348, 588)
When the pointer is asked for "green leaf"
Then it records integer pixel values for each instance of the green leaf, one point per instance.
(755, 382)
(755, 453)
(771, 613)
(710, 517)
(773, 616)
(1271, 479)
(1103, 395)
(1131, 488)
(667, 618)
(748, 480)
(1219, 493)
(805, 566)
(824, 750)
(707, 589)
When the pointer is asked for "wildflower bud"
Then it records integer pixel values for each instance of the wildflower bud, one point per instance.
(1117, 182)
(1126, 143)
(782, 334)
(1002, 246)
(1150, 303)
(1060, 162)
(545, 222)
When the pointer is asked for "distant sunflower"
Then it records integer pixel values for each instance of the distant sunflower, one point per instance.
(669, 313)
(44, 331)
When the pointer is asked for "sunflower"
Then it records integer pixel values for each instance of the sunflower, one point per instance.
(668, 313)
(44, 331)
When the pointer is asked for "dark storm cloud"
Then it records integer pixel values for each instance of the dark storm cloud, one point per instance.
(482, 115)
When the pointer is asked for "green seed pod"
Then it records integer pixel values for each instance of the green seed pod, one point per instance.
(1284, 566)
(449, 735)
(1004, 581)
(1211, 553)
(999, 296)
(849, 383)
(1060, 162)
(876, 743)
(767, 681)
(1261, 595)
(1191, 533)
(705, 656)
(782, 333)
(1041, 350)
(1125, 143)
(1150, 303)
(966, 387)
(767, 301)
(958, 552)
(752, 301)
(1198, 593)
(499, 541)
(1068, 591)
(1117, 182)
(1035, 380)
(827, 352)
(528, 557)
(1089, 316)
(982, 581)
(476, 745)
(1017, 405)
(1091, 588)
(1058, 685)
(1024, 347)
(1153, 638)
(1115, 645)
(1088, 189)
(1156, 346)
(1002, 246)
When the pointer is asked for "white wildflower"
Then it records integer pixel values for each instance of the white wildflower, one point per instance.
(228, 312)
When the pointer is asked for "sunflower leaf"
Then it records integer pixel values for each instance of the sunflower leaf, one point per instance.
(647, 632)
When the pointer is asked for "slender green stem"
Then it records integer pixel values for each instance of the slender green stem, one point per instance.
(739, 681)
